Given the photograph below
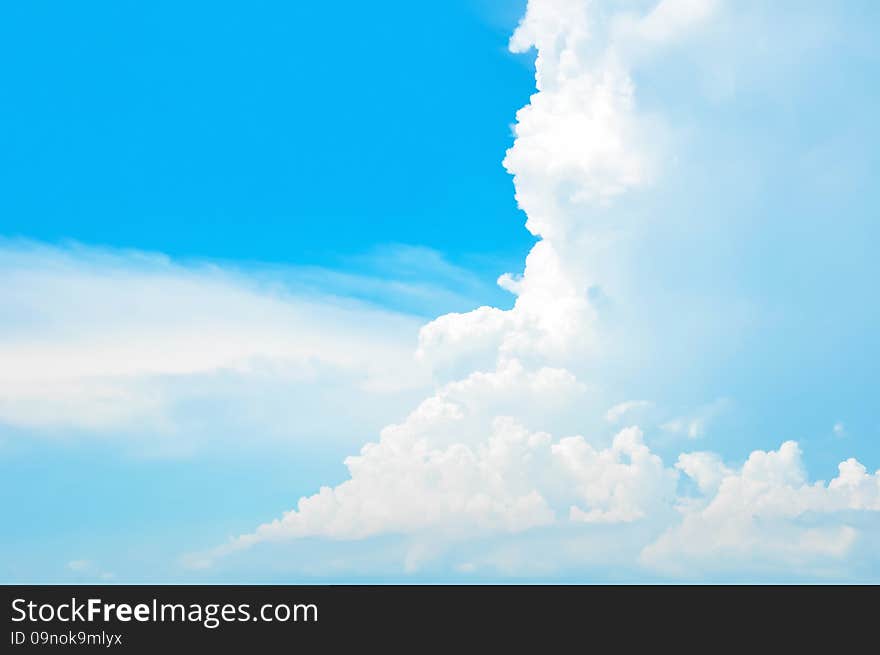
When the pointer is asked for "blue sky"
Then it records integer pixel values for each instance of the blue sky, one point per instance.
(284, 132)
(226, 234)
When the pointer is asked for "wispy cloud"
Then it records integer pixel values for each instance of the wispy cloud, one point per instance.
(89, 570)
(100, 341)
(696, 424)
(616, 413)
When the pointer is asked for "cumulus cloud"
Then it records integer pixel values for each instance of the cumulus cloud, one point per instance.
(457, 463)
(419, 480)
(506, 464)
(766, 516)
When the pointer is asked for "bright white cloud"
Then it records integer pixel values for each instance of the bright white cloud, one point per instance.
(764, 517)
(433, 476)
(487, 462)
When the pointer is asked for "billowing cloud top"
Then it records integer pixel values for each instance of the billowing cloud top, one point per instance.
(495, 469)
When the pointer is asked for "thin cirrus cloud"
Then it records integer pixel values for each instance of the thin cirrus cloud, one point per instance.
(621, 410)
(87, 569)
(98, 342)
(481, 477)
(697, 424)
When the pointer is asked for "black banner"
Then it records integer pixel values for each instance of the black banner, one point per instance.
(415, 618)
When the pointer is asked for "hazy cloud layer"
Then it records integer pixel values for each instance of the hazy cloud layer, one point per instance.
(101, 343)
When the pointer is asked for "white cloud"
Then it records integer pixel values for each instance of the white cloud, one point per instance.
(706, 469)
(668, 21)
(695, 425)
(484, 468)
(616, 413)
(576, 141)
(111, 341)
(764, 517)
(692, 428)
(420, 480)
